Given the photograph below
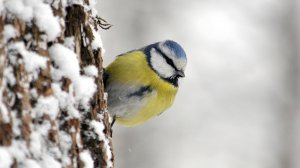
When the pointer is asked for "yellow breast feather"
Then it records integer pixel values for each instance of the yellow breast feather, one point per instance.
(134, 66)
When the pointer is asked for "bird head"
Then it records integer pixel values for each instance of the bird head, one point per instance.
(167, 59)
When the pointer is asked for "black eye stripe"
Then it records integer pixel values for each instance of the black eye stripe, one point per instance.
(168, 60)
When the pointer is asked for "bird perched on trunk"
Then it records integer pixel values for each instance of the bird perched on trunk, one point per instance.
(143, 83)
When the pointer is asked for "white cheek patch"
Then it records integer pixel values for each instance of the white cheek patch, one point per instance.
(179, 63)
(160, 65)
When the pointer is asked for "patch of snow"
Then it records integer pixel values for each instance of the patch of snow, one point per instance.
(46, 105)
(18, 150)
(9, 75)
(66, 100)
(66, 60)
(9, 32)
(35, 144)
(105, 96)
(97, 42)
(72, 129)
(85, 89)
(43, 42)
(32, 60)
(20, 9)
(4, 113)
(65, 142)
(3, 109)
(34, 93)
(43, 128)
(37, 10)
(56, 74)
(16, 123)
(84, 38)
(46, 21)
(69, 42)
(73, 2)
(68, 64)
(91, 71)
(28, 36)
(29, 163)
(86, 158)
(64, 2)
(98, 129)
(78, 140)
(6, 159)
(49, 162)
(54, 151)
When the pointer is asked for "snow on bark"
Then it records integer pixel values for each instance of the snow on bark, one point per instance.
(41, 12)
(52, 104)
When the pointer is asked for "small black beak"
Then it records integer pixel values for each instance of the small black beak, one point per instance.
(180, 73)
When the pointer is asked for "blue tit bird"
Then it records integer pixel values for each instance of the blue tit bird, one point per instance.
(143, 83)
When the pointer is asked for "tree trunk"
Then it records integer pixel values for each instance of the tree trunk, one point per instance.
(53, 112)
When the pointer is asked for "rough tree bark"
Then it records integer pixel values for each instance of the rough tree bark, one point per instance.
(48, 117)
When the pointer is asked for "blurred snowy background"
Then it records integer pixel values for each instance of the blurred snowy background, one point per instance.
(238, 106)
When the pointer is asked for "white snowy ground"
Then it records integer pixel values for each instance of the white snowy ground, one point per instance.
(234, 108)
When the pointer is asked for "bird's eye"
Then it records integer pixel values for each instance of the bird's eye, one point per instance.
(170, 62)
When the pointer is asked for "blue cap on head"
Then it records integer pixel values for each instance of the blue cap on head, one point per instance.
(171, 45)
(176, 48)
